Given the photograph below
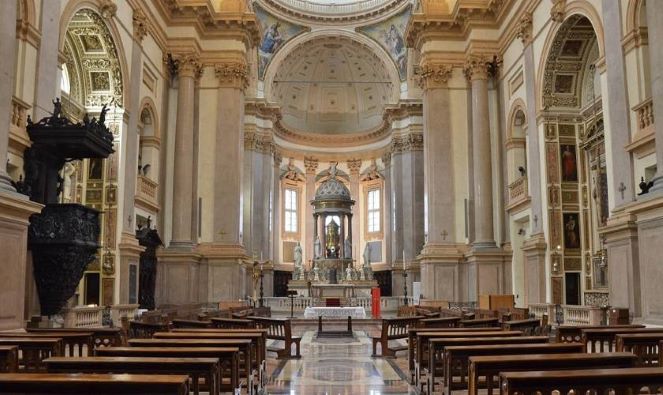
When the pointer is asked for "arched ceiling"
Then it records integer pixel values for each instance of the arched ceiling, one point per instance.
(333, 86)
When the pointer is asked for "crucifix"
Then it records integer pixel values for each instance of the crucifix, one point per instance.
(444, 234)
(622, 188)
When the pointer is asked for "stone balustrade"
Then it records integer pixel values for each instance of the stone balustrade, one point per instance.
(83, 317)
(282, 304)
(123, 310)
(518, 191)
(582, 315)
(538, 310)
(645, 116)
(146, 191)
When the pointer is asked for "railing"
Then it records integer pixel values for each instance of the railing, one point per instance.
(146, 189)
(123, 310)
(582, 315)
(645, 116)
(518, 190)
(387, 303)
(83, 317)
(334, 7)
(538, 310)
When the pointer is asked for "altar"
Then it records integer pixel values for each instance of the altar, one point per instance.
(335, 312)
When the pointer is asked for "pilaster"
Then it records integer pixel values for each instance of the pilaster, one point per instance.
(655, 33)
(354, 165)
(311, 166)
(534, 251)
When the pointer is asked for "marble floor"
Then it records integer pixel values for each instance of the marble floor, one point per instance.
(338, 366)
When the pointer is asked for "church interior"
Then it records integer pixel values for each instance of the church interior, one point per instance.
(331, 197)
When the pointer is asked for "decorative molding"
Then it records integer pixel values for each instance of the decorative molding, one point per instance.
(408, 142)
(476, 67)
(232, 74)
(524, 29)
(140, 24)
(434, 75)
(278, 158)
(332, 16)
(184, 65)
(557, 10)
(257, 142)
(107, 9)
(386, 159)
(311, 164)
(354, 165)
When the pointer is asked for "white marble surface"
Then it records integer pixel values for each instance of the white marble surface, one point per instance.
(335, 312)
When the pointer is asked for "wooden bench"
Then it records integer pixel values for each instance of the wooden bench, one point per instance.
(437, 347)
(480, 323)
(74, 343)
(245, 347)
(644, 345)
(393, 329)
(145, 330)
(444, 322)
(573, 333)
(101, 337)
(598, 381)
(280, 330)
(531, 326)
(490, 366)
(228, 359)
(604, 340)
(195, 368)
(412, 342)
(98, 384)
(423, 338)
(33, 350)
(8, 359)
(190, 324)
(233, 323)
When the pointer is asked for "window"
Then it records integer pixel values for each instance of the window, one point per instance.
(65, 85)
(373, 210)
(290, 210)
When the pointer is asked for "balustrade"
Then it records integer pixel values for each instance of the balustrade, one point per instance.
(518, 191)
(645, 116)
(83, 317)
(146, 190)
(582, 315)
(123, 310)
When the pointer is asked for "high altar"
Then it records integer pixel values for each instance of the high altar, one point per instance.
(332, 272)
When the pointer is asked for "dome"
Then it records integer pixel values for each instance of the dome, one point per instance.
(332, 189)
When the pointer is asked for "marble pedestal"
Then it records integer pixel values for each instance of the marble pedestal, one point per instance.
(130, 252)
(178, 277)
(488, 272)
(534, 251)
(443, 273)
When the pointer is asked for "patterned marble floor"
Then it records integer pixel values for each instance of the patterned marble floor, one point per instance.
(338, 366)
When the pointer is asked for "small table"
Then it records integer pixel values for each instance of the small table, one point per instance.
(335, 312)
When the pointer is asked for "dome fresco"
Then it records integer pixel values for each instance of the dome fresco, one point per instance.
(332, 189)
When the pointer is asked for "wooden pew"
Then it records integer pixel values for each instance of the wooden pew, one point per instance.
(228, 358)
(74, 343)
(490, 366)
(393, 329)
(190, 324)
(412, 342)
(101, 337)
(279, 329)
(233, 323)
(8, 359)
(145, 330)
(480, 323)
(531, 326)
(573, 333)
(437, 347)
(33, 350)
(644, 345)
(599, 381)
(245, 347)
(196, 368)
(423, 338)
(444, 322)
(603, 340)
(98, 384)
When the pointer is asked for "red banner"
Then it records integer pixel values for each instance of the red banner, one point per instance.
(375, 302)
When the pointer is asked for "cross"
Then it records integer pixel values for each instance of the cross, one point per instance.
(622, 188)
(444, 234)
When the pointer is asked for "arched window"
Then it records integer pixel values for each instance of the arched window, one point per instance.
(65, 83)
(290, 212)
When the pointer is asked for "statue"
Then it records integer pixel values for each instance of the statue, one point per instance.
(366, 270)
(316, 273)
(102, 114)
(297, 273)
(332, 169)
(348, 273)
(317, 248)
(57, 108)
(347, 248)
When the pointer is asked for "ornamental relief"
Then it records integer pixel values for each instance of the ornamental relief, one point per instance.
(408, 142)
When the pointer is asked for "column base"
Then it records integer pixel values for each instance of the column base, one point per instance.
(130, 251)
(224, 272)
(15, 211)
(443, 272)
(488, 272)
(534, 251)
(178, 276)
(6, 184)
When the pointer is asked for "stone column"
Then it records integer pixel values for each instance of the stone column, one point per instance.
(311, 165)
(350, 233)
(440, 270)
(386, 161)
(534, 248)
(276, 208)
(354, 166)
(8, 10)
(397, 230)
(188, 68)
(129, 248)
(257, 166)
(476, 71)
(655, 34)
(48, 86)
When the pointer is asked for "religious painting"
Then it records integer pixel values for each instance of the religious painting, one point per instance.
(91, 43)
(572, 48)
(553, 196)
(564, 83)
(552, 163)
(107, 290)
(569, 163)
(100, 80)
(390, 34)
(276, 32)
(555, 227)
(556, 290)
(95, 169)
(571, 231)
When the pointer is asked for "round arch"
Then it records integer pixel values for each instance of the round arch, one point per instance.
(27, 13)
(517, 106)
(633, 15)
(147, 103)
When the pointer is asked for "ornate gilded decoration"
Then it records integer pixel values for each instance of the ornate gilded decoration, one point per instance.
(476, 67)
(184, 65)
(232, 74)
(524, 32)
(435, 75)
(311, 165)
(557, 10)
(140, 24)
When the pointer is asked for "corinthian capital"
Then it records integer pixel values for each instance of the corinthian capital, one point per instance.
(435, 75)
(476, 67)
(183, 65)
(524, 31)
(354, 165)
(140, 24)
(233, 74)
(311, 165)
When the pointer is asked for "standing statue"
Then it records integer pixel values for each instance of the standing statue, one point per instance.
(317, 247)
(348, 273)
(366, 270)
(316, 273)
(347, 249)
(297, 273)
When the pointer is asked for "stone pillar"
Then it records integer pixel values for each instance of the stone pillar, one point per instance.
(311, 165)
(188, 68)
(8, 10)
(655, 34)
(49, 84)
(440, 263)
(257, 167)
(397, 230)
(386, 161)
(534, 248)
(354, 165)
(276, 209)
(476, 71)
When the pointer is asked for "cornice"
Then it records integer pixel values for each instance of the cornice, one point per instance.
(336, 140)
(404, 109)
(365, 18)
(262, 109)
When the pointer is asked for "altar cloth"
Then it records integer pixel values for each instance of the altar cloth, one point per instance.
(335, 312)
